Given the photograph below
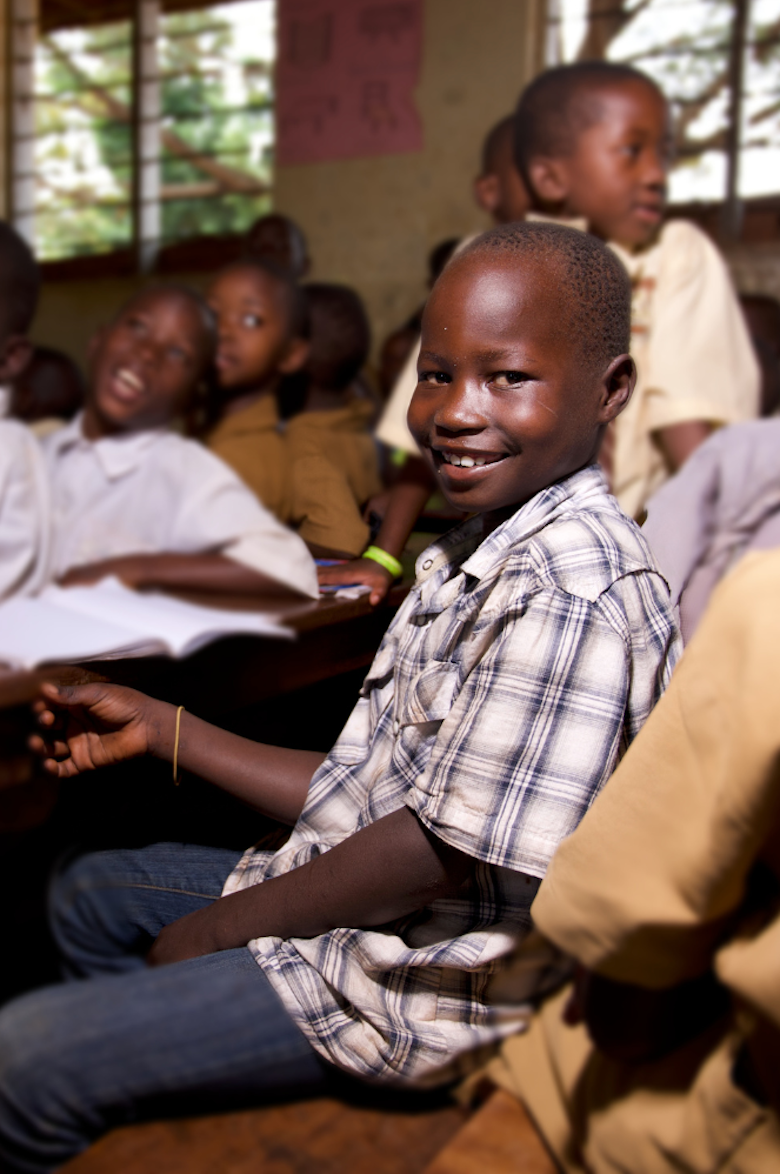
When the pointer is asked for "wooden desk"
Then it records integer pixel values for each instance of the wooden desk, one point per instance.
(332, 637)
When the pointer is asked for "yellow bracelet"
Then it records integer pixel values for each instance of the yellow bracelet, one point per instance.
(377, 555)
(176, 778)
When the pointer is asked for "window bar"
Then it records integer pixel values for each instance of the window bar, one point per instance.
(146, 135)
(21, 188)
(733, 209)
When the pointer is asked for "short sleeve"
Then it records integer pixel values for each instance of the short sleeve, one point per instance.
(392, 429)
(699, 361)
(531, 735)
(220, 513)
(323, 508)
(24, 512)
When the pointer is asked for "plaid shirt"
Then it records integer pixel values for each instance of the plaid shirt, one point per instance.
(512, 679)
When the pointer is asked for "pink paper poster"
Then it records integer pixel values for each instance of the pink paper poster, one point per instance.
(345, 79)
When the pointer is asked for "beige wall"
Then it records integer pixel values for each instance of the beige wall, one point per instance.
(371, 222)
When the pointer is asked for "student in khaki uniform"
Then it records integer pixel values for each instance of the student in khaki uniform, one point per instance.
(669, 894)
(263, 331)
(332, 455)
(593, 142)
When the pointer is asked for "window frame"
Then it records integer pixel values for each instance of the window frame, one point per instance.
(146, 255)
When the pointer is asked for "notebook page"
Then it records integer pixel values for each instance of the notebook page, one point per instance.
(35, 631)
(179, 627)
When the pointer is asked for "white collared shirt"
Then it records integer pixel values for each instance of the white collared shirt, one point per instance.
(155, 492)
(24, 511)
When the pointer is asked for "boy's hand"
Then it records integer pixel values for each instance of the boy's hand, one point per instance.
(89, 726)
(359, 570)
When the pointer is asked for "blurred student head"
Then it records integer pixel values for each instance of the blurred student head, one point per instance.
(262, 320)
(280, 240)
(147, 366)
(499, 188)
(51, 387)
(19, 287)
(593, 141)
(340, 336)
(762, 314)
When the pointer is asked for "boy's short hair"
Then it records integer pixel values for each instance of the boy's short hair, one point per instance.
(597, 285)
(279, 239)
(560, 104)
(340, 335)
(20, 282)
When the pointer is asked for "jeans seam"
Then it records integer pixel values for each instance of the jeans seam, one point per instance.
(152, 888)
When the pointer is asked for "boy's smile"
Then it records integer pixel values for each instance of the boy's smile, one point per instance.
(505, 404)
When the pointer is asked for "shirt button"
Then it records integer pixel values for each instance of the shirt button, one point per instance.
(396, 728)
(427, 564)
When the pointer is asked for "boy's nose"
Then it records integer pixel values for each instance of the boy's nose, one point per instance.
(458, 409)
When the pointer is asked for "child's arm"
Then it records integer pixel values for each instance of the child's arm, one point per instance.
(406, 500)
(184, 572)
(388, 869)
(679, 441)
(91, 726)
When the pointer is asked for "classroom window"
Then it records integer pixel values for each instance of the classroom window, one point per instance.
(717, 61)
(153, 123)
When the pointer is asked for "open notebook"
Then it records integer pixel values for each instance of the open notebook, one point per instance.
(109, 621)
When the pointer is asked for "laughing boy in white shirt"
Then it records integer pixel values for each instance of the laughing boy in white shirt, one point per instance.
(134, 499)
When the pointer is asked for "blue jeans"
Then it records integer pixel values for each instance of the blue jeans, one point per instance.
(122, 1042)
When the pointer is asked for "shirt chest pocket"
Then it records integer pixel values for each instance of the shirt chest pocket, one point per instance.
(429, 696)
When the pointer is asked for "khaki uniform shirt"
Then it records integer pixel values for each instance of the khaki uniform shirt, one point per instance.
(333, 472)
(676, 869)
(694, 356)
(251, 443)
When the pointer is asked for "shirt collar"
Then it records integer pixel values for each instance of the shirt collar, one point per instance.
(456, 549)
(578, 222)
(116, 455)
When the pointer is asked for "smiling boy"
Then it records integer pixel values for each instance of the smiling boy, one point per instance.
(134, 499)
(594, 143)
(535, 642)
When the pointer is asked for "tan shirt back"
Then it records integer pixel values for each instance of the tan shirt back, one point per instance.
(251, 443)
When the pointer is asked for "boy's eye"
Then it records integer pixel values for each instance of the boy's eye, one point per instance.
(632, 150)
(437, 377)
(509, 378)
(178, 355)
(252, 321)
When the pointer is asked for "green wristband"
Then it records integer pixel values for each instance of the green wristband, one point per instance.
(377, 555)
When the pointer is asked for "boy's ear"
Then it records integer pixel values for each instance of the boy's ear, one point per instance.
(487, 193)
(16, 354)
(617, 384)
(549, 179)
(294, 357)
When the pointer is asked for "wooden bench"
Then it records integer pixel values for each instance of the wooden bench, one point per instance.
(325, 1136)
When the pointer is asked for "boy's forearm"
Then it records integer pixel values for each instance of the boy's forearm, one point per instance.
(385, 871)
(272, 779)
(201, 572)
(679, 441)
(407, 498)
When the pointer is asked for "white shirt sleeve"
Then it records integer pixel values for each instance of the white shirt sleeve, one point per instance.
(24, 512)
(220, 513)
(392, 429)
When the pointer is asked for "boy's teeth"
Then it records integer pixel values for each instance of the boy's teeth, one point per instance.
(131, 378)
(464, 462)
